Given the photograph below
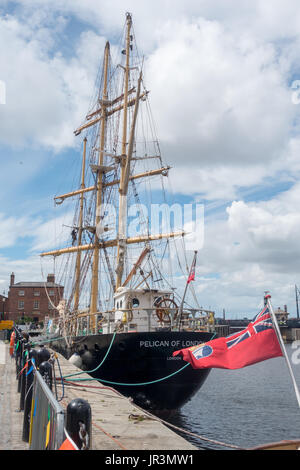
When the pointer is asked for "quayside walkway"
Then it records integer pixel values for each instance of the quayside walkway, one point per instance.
(117, 424)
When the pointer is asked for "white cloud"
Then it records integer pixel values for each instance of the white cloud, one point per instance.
(256, 248)
(219, 75)
(218, 99)
(47, 95)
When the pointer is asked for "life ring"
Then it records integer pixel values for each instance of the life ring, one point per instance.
(163, 309)
(12, 343)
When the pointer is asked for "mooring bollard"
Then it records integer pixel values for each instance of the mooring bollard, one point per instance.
(18, 353)
(78, 423)
(22, 378)
(20, 363)
(28, 396)
(45, 370)
(42, 355)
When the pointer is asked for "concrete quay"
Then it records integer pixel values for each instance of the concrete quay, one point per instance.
(117, 424)
(11, 418)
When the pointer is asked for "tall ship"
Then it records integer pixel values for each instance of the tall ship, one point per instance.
(124, 311)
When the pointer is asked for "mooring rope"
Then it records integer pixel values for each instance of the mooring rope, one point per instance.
(99, 365)
(132, 384)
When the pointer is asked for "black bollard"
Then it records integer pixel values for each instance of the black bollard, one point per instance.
(28, 396)
(22, 379)
(42, 355)
(17, 351)
(45, 370)
(20, 361)
(78, 423)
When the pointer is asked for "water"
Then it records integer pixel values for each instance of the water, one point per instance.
(245, 407)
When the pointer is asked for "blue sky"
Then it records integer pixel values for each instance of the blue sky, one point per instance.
(221, 94)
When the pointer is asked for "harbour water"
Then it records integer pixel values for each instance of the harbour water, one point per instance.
(245, 407)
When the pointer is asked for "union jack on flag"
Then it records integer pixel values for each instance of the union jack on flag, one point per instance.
(262, 321)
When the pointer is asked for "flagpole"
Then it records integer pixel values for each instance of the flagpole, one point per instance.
(277, 330)
(186, 286)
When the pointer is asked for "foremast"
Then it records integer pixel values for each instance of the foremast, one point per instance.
(99, 187)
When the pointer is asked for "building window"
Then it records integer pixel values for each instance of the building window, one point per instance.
(21, 304)
(36, 304)
(36, 293)
(50, 306)
(21, 293)
(51, 293)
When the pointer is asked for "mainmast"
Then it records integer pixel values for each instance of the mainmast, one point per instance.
(122, 225)
(99, 182)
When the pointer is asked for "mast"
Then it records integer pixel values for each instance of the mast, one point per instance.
(122, 229)
(297, 304)
(99, 178)
(78, 257)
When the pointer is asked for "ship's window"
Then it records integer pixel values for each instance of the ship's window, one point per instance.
(117, 304)
(135, 302)
(121, 303)
(156, 300)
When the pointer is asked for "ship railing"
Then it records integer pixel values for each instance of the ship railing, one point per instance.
(171, 318)
(85, 323)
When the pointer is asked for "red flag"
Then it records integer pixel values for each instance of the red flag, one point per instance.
(255, 343)
(191, 276)
(192, 270)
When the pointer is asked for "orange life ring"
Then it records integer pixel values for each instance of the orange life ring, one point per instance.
(12, 343)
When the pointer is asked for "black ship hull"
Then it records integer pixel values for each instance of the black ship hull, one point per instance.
(141, 365)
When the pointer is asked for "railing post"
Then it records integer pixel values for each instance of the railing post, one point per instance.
(78, 423)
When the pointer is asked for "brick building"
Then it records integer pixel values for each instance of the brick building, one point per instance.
(3, 307)
(33, 299)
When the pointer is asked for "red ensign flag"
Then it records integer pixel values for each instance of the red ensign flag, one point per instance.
(255, 343)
